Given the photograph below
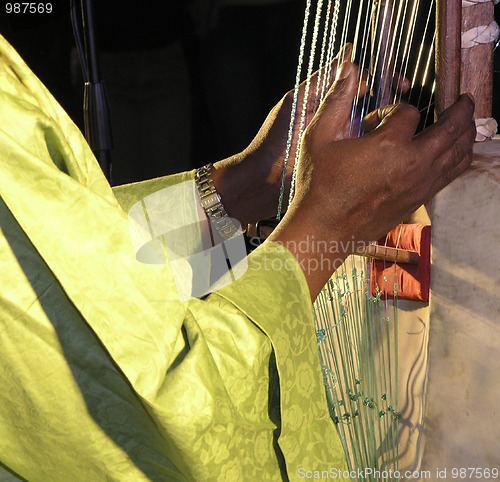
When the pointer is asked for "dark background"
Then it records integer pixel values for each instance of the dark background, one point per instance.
(188, 83)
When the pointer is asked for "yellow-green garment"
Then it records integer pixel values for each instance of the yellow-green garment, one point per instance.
(104, 374)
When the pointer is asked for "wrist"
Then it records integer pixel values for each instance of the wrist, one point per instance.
(244, 190)
(318, 249)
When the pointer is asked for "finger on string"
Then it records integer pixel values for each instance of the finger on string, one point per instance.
(371, 121)
(440, 137)
(363, 76)
(401, 119)
(344, 53)
(335, 110)
(400, 84)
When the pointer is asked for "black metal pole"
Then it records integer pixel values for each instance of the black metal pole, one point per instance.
(95, 106)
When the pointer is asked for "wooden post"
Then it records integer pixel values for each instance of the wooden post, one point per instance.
(448, 53)
(477, 62)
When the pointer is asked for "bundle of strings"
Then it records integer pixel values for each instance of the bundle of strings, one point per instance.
(358, 332)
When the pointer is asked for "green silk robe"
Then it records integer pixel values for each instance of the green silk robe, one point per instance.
(104, 373)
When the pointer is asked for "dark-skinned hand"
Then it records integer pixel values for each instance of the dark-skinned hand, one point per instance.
(356, 190)
(249, 182)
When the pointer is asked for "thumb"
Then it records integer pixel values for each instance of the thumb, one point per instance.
(335, 110)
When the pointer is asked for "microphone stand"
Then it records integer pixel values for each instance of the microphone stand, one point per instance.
(95, 101)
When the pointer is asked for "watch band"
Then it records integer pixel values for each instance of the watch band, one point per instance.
(212, 204)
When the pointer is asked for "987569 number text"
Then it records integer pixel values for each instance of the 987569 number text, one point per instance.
(28, 7)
